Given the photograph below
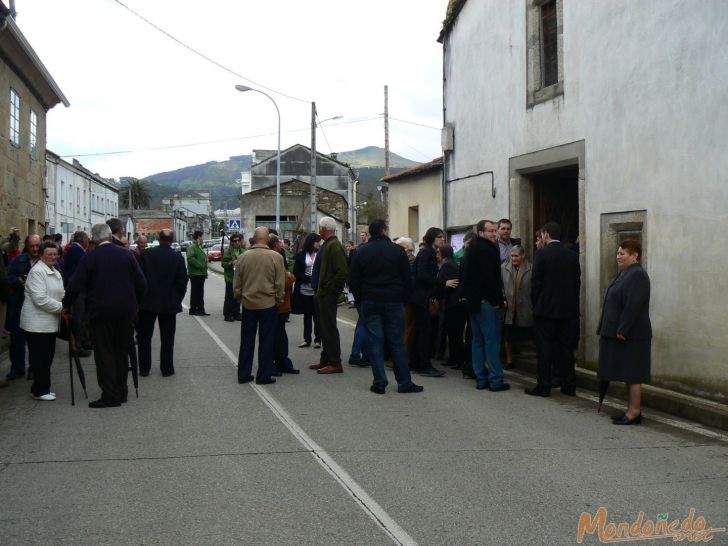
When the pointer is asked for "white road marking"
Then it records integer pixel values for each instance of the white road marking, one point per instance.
(385, 522)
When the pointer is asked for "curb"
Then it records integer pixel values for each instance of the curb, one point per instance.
(700, 410)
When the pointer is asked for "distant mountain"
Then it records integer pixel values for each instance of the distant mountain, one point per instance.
(221, 177)
(373, 156)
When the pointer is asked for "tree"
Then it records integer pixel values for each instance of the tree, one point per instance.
(373, 209)
(140, 196)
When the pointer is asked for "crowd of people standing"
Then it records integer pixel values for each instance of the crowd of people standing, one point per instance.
(471, 308)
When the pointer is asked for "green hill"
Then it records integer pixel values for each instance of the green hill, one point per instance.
(221, 177)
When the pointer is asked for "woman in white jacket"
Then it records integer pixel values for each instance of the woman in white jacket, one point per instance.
(40, 317)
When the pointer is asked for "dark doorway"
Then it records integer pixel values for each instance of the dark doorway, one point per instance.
(556, 198)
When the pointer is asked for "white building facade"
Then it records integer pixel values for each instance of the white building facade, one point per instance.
(610, 118)
(76, 198)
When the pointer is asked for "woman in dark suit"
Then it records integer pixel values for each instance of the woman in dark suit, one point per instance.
(625, 330)
(302, 290)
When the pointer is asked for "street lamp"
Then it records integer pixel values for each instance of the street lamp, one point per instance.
(244, 88)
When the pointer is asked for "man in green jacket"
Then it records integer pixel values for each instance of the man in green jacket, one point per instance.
(328, 281)
(231, 308)
(197, 271)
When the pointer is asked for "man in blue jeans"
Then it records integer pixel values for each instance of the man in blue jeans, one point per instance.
(380, 280)
(483, 291)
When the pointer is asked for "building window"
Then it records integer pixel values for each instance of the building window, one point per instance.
(544, 51)
(63, 194)
(78, 200)
(549, 47)
(14, 118)
(33, 135)
(84, 202)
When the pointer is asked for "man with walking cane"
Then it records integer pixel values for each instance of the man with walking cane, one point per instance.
(114, 284)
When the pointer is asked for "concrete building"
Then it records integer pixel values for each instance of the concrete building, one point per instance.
(197, 208)
(415, 200)
(76, 198)
(331, 174)
(574, 115)
(27, 93)
(257, 209)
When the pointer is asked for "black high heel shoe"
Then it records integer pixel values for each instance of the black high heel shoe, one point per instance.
(617, 417)
(624, 420)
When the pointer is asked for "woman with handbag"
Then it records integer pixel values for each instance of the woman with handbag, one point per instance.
(40, 319)
(303, 291)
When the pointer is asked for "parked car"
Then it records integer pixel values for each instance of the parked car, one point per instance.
(214, 254)
(184, 244)
(176, 247)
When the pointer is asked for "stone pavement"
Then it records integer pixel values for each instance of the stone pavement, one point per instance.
(199, 459)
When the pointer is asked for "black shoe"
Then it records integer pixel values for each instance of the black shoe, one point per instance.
(359, 362)
(97, 404)
(304, 344)
(143, 374)
(245, 380)
(617, 417)
(569, 390)
(468, 374)
(482, 386)
(239, 318)
(167, 374)
(378, 389)
(229, 319)
(624, 420)
(268, 381)
(429, 372)
(538, 391)
(203, 314)
(87, 346)
(276, 373)
(193, 313)
(502, 387)
(410, 388)
(292, 371)
(84, 353)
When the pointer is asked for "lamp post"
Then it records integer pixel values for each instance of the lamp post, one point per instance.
(244, 88)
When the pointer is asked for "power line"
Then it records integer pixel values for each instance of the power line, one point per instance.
(206, 143)
(208, 59)
(415, 123)
(318, 124)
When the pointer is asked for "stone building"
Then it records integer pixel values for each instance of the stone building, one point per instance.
(196, 205)
(27, 93)
(257, 208)
(331, 174)
(150, 222)
(415, 200)
(610, 118)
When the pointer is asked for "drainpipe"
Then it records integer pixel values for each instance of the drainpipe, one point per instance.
(444, 153)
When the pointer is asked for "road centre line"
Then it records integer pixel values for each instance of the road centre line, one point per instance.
(385, 522)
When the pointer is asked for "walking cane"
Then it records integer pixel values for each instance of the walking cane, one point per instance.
(73, 356)
(134, 365)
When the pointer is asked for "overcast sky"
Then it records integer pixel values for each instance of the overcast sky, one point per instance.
(133, 88)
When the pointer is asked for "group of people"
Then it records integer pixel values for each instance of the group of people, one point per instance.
(478, 302)
(43, 290)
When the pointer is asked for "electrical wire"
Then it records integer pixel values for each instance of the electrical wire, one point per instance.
(415, 123)
(207, 143)
(318, 124)
(205, 57)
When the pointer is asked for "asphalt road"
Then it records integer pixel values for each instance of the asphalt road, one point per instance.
(199, 459)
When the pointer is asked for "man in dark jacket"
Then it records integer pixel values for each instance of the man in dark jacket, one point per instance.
(71, 258)
(329, 278)
(483, 291)
(555, 285)
(380, 281)
(166, 276)
(17, 273)
(113, 284)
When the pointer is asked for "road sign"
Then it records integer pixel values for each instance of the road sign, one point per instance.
(233, 224)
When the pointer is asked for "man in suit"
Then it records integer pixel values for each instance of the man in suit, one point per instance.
(505, 242)
(555, 285)
(114, 284)
(166, 277)
(72, 257)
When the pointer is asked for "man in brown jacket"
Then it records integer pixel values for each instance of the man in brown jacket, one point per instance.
(259, 284)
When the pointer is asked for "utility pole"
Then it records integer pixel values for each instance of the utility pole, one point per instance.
(386, 130)
(313, 167)
(131, 211)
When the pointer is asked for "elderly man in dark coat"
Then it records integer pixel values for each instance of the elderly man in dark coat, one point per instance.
(166, 276)
(113, 284)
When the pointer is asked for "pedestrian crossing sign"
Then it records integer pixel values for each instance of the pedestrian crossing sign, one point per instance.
(233, 224)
